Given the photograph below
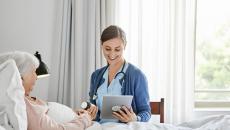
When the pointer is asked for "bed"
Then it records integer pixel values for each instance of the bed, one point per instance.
(218, 122)
(13, 110)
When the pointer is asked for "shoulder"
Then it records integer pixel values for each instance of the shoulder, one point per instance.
(134, 74)
(35, 108)
(134, 71)
(97, 74)
(98, 71)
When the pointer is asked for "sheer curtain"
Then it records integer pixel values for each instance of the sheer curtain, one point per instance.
(77, 53)
(160, 37)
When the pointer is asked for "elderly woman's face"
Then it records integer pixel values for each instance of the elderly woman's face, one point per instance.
(28, 81)
(113, 50)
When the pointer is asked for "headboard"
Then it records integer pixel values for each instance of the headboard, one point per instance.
(157, 108)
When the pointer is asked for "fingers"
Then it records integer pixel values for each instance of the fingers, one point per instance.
(118, 116)
(80, 112)
(131, 110)
(93, 111)
(125, 115)
(126, 110)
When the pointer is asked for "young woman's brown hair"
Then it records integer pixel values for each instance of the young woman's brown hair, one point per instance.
(111, 32)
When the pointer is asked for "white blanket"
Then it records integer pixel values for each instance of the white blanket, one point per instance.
(220, 122)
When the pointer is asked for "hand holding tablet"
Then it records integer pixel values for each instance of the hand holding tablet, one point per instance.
(114, 103)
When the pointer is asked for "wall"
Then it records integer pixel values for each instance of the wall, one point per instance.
(29, 25)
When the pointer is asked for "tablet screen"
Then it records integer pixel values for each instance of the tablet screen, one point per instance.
(110, 101)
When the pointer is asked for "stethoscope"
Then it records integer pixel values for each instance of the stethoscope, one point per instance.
(120, 80)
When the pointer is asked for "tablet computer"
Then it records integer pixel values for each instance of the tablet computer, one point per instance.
(110, 101)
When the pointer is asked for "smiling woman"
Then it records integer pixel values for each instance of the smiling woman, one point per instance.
(119, 78)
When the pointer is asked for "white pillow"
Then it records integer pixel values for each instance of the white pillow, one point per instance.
(60, 113)
(12, 95)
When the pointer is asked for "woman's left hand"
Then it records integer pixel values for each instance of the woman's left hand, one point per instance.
(125, 115)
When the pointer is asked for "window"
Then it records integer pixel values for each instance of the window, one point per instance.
(212, 81)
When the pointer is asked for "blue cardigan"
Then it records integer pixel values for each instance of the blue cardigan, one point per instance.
(135, 83)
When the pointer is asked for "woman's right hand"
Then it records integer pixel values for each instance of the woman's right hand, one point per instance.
(93, 111)
(82, 112)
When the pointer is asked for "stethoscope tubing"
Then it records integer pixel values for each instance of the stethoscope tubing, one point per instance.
(121, 72)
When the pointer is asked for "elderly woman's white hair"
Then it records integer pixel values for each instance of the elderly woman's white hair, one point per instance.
(24, 60)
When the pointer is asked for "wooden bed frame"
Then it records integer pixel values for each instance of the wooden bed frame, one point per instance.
(157, 108)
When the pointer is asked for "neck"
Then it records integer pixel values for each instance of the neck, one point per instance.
(117, 65)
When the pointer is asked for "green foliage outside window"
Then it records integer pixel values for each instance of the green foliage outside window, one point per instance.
(213, 64)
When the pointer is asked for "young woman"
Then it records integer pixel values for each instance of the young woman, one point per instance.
(119, 78)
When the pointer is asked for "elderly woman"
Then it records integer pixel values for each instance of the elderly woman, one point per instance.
(37, 110)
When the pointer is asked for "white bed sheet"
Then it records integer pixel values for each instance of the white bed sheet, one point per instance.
(219, 122)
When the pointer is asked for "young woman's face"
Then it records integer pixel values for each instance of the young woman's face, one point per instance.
(28, 81)
(113, 50)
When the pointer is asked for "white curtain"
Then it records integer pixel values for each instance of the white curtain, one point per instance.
(78, 54)
(160, 37)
